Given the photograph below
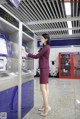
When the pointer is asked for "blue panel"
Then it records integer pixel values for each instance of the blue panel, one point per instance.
(64, 42)
(2, 35)
(27, 96)
(9, 102)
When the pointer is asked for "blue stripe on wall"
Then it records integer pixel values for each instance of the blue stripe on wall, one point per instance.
(62, 42)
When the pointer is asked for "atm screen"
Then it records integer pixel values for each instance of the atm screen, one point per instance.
(3, 47)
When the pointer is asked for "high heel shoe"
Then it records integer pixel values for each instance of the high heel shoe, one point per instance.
(46, 112)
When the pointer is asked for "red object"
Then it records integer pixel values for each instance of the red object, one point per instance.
(69, 65)
(44, 74)
(43, 56)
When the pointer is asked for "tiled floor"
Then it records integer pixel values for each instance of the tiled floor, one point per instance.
(64, 99)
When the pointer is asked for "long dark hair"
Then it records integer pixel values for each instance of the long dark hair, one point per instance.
(46, 36)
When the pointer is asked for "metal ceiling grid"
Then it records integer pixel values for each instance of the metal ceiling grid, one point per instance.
(48, 16)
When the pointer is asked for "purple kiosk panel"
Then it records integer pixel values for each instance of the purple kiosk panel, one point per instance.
(9, 97)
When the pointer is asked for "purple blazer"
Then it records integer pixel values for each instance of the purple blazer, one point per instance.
(43, 56)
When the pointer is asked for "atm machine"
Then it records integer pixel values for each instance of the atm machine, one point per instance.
(9, 72)
(5, 52)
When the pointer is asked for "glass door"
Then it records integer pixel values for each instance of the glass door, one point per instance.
(65, 65)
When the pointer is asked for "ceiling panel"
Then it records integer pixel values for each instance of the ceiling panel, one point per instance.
(48, 16)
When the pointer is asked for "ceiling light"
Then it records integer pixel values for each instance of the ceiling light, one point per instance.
(70, 32)
(69, 24)
(67, 8)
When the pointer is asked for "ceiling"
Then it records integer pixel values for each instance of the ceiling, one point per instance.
(48, 16)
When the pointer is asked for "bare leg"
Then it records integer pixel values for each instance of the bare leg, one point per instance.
(42, 108)
(47, 91)
(44, 94)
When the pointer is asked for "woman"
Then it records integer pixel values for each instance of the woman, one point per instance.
(43, 56)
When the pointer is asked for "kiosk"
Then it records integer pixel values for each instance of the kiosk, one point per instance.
(16, 84)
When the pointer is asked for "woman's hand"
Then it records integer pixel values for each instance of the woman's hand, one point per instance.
(27, 53)
(24, 53)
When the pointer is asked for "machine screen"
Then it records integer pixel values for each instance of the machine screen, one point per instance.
(3, 48)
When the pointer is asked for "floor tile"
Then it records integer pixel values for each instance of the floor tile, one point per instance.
(64, 99)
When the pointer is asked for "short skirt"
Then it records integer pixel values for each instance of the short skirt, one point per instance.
(44, 74)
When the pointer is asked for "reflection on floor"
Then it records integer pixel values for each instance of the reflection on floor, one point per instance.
(64, 99)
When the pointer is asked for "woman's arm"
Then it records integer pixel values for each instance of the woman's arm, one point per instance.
(40, 54)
